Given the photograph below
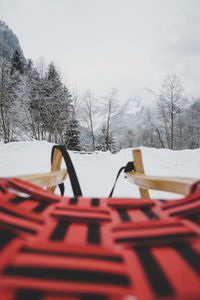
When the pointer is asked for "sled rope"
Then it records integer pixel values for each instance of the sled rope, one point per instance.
(71, 170)
(128, 168)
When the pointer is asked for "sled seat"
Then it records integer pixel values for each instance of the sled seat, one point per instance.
(75, 248)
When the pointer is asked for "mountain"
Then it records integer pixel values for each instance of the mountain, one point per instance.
(128, 114)
(8, 42)
(131, 112)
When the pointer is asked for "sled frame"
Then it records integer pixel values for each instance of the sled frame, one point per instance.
(179, 185)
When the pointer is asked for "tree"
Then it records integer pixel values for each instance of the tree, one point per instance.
(192, 125)
(50, 105)
(101, 139)
(105, 143)
(17, 62)
(169, 109)
(13, 102)
(72, 137)
(111, 106)
(36, 105)
(4, 99)
(36, 101)
(53, 97)
(88, 99)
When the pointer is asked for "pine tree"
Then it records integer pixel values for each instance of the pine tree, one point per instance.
(35, 96)
(66, 108)
(50, 105)
(105, 142)
(17, 63)
(72, 136)
(18, 95)
(13, 103)
(53, 101)
(101, 139)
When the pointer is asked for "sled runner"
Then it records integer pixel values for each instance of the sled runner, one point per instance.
(65, 248)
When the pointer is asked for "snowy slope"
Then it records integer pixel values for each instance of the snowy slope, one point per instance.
(97, 171)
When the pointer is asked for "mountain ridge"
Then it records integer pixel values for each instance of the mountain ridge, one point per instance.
(9, 42)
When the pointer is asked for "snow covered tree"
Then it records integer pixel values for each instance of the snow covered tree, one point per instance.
(88, 115)
(55, 102)
(104, 142)
(72, 136)
(101, 139)
(169, 108)
(5, 85)
(50, 106)
(111, 106)
(17, 62)
(18, 94)
(36, 102)
(127, 138)
(13, 103)
(192, 125)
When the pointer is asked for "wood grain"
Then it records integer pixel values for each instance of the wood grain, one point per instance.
(179, 185)
(46, 179)
(139, 168)
(55, 166)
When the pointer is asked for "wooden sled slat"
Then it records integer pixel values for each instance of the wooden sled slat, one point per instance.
(46, 179)
(177, 185)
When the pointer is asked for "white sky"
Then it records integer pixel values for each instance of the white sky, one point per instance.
(102, 44)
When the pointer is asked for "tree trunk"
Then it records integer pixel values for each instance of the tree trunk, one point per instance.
(2, 101)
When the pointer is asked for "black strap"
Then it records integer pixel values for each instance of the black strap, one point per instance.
(128, 168)
(71, 171)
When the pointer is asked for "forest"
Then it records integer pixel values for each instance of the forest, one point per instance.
(35, 104)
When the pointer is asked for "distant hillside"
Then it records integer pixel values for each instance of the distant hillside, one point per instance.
(8, 42)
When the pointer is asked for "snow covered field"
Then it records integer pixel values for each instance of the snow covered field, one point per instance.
(97, 172)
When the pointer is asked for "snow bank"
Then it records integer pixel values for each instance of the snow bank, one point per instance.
(97, 171)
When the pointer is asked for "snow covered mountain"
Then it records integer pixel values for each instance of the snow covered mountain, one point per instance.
(128, 113)
(131, 112)
(8, 42)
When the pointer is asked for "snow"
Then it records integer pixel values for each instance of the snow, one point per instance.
(97, 171)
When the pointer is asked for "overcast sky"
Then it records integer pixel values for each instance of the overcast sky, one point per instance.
(102, 44)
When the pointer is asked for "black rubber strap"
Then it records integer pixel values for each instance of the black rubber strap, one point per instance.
(128, 168)
(70, 169)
